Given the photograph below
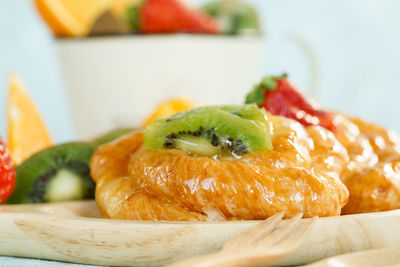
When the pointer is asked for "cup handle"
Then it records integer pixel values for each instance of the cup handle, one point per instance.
(311, 60)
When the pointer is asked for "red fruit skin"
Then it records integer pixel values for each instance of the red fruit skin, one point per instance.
(166, 16)
(286, 101)
(7, 173)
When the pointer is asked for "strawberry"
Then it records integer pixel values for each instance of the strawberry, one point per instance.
(166, 16)
(7, 173)
(277, 95)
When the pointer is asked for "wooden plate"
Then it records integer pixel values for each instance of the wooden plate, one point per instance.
(74, 232)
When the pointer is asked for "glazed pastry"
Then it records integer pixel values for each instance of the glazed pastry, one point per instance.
(372, 173)
(376, 187)
(241, 163)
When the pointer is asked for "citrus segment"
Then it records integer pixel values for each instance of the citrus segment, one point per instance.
(71, 18)
(169, 108)
(27, 132)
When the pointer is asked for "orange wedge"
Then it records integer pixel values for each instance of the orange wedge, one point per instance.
(71, 18)
(27, 132)
(169, 108)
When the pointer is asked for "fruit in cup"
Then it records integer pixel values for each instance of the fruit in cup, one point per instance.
(168, 16)
(234, 17)
(7, 173)
(27, 132)
(71, 18)
(119, 8)
(76, 18)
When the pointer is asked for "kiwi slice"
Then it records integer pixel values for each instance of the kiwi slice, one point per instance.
(234, 17)
(214, 130)
(112, 135)
(58, 173)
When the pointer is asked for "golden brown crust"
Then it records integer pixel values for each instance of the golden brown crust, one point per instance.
(299, 175)
(384, 142)
(378, 189)
(373, 175)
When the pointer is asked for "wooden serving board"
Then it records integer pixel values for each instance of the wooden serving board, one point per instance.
(74, 232)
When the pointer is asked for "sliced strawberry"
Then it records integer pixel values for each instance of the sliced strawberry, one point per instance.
(7, 173)
(167, 16)
(277, 95)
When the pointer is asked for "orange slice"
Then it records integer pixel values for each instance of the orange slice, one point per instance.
(71, 18)
(169, 108)
(27, 132)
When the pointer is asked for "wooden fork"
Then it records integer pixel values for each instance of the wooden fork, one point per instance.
(263, 244)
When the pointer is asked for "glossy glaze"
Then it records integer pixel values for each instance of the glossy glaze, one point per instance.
(299, 175)
(373, 173)
(303, 173)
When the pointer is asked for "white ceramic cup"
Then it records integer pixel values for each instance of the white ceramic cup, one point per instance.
(117, 81)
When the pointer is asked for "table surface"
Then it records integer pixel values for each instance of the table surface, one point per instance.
(25, 262)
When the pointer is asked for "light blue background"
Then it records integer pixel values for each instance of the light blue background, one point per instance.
(355, 42)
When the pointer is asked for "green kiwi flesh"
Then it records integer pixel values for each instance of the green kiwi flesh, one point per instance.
(213, 130)
(58, 173)
(234, 17)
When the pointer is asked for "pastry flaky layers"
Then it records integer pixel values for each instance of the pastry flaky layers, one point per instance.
(352, 168)
(300, 174)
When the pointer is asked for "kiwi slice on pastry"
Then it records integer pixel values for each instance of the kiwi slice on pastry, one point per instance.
(211, 130)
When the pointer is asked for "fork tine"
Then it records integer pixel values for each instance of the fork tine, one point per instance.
(296, 238)
(255, 232)
(281, 232)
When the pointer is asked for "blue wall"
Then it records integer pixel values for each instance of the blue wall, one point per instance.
(26, 47)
